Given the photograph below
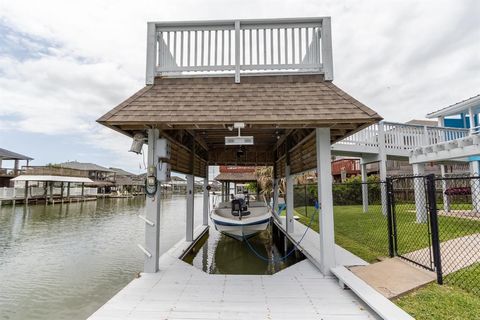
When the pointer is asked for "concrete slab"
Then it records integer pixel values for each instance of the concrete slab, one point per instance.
(393, 277)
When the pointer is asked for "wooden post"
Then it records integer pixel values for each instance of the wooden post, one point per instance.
(206, 199)
(237, 51)
(152, 211)
(83, 190)
(26, 192)
(419, 192)
(51, 191)
(68, 191)
(475, 185)
(471, 119)
(151, 53)
(327, 55)
(382, 166)
(61, 191)
(289, 200)
(325, 198)
(190, 209)
(275, 194)
(363, 168)
(446, 199)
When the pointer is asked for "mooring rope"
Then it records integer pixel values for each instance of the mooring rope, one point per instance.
(289, 253)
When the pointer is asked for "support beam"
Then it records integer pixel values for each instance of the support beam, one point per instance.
(51, 191)
(420, 195)
(325, 198)
(382, 166)
(26, 192)
(68, 191)
(363, 169)
(190, 213)
(275, 194)
(471, 118)
(289, 215)
(446, 199)
(475, 184)
(206, 199)
(152, 210)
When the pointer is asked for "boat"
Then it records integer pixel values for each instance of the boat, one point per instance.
(241, 217)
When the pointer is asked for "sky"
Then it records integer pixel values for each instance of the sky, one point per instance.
(63, 64)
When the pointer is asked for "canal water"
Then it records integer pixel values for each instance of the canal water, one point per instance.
(263, 254)
(65, 261)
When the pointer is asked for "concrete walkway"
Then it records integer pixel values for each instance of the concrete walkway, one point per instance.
(456, 253)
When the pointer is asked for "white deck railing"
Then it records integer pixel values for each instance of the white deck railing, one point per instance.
(400, 136)
(239, 46)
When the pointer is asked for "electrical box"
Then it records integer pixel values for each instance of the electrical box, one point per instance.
(163, 149)
(164, 171)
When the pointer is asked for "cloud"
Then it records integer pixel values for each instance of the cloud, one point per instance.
(62, 68)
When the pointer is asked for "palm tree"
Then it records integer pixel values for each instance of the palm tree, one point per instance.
(265, 182)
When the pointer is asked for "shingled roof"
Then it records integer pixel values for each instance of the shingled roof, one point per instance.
(10, 155)
(294, 99)
(237, 176)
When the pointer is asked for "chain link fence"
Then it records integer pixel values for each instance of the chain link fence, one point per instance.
(430, 221)
(459, 230)
(361, 229)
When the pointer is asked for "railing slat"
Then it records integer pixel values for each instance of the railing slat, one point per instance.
(288, 46)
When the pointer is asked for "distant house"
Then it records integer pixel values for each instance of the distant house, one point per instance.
(128, 182)
(234, 178)
(103, 178)
(345, 168)
(7, 172)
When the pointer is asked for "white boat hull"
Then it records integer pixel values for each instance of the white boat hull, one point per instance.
(248, 226)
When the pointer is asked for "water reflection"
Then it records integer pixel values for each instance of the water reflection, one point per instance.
(220, 254)
(64, 261)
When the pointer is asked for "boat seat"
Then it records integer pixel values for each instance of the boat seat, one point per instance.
(244, 213)
(239, 207)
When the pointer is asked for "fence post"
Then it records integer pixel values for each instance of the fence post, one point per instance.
(432, 208)
(391, 234)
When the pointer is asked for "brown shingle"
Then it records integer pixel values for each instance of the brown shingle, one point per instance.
(257, 99)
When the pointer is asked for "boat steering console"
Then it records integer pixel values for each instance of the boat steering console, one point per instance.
(240, 207)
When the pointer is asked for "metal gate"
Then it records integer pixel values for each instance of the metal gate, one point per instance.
(413, 224)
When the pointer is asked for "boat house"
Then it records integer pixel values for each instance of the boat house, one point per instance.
(7, 173)
(240, 93)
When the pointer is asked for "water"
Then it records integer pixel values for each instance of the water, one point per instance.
(65, 261)
(220, 254)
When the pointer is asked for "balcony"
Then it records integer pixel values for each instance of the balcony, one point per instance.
(395, 139)
(237, 47)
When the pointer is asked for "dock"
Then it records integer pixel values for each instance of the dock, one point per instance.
(181, 291)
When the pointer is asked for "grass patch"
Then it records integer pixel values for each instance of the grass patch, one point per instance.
(440, 303)
(366, 234)
(467, 279)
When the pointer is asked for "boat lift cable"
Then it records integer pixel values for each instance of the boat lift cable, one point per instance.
(261, 257)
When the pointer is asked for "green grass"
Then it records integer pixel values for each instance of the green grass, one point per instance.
(365, 235)
(440, 303)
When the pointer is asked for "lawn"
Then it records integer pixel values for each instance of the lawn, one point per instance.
(365, 234)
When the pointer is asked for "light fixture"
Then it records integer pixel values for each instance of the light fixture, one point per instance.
(239, 139)
(137, 143)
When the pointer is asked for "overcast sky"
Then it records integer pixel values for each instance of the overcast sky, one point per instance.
(63, 64)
